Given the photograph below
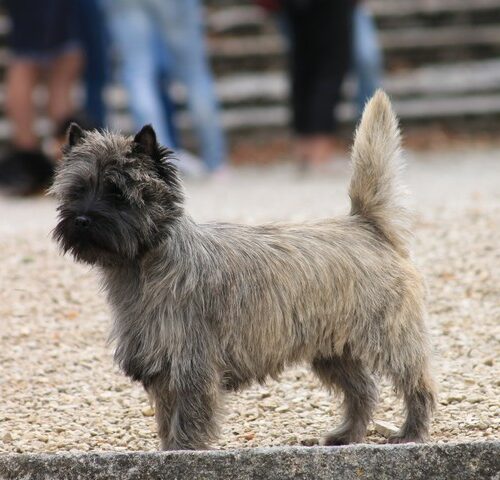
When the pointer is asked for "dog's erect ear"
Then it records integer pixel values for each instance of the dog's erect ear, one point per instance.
(75, 134)
(146, 138)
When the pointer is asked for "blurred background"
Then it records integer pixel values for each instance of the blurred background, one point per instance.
(230, 81)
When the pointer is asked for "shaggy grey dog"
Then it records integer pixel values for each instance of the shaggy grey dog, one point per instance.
(201, 309)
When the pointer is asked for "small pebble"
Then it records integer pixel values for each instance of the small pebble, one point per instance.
(386, 429)
(148, 411)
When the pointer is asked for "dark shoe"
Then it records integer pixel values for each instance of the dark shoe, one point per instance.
(25, 172)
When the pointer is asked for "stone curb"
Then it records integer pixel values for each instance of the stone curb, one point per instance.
(459, 461)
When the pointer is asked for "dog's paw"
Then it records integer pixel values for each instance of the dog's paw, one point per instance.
(399, 438)
(169, 445)
(340, 438)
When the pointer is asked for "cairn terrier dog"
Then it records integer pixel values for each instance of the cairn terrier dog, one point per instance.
(203, 309)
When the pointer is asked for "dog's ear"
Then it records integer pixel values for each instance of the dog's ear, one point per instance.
(146, 138)
(75, 134)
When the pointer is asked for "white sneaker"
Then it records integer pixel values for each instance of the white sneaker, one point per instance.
(189, 164)
(221, 174)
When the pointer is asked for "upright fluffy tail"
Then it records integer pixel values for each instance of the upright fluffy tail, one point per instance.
(376, 195)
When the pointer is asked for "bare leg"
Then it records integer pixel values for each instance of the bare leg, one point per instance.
(360, 396)
(321, 149)
(22, 77)
(64, 72)
(315, 150)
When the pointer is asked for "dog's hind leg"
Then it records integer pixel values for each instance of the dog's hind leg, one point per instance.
(405, 359)
(348, 375)
(419, 394)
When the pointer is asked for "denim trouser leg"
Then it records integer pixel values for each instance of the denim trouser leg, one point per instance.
(132, 30)
(367, 56)
(94, 38)
(181, 24)
(164, 76)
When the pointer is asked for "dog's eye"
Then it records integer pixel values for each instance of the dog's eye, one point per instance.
(114, 193)
(77, 192)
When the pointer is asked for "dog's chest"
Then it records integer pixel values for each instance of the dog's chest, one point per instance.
(142, 346)
(141, 330)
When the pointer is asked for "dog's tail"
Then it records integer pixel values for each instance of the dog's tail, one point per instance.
(376, 195)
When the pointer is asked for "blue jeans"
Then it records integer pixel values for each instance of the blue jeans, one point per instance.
(164, 80)
(94, 37)
(135, 26)
(367, 56)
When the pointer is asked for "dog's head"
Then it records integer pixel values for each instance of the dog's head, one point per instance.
(117, 196)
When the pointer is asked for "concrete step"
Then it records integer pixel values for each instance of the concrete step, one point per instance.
(244, 39)
(226, 17)
(252, 119)
(481, 77)
(265, 49)
(240, 18)
(410, 111)
(254, 89)
(229, 15)
(272, 87)
(398, 8)
(465, 461)
(442, 80)
(254, 101)
(405, 39)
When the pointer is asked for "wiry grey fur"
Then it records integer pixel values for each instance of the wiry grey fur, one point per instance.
(200, 309)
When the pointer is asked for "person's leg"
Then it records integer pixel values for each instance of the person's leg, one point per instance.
(64, 71)
(164, 80)
(24, 169)
(367, 56)
(41, 32)
(182, 28)
(319, 58)
(22, 77)
(95, 44)
(321, 149)
(329, 36)
(299, 73)
(132, 30)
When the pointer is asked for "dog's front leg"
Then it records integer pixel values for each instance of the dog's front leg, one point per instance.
(195, 407)
(164, 401)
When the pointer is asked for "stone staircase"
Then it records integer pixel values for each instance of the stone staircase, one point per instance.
(442, 60)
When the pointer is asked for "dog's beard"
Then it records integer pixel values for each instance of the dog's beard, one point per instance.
(107, 241)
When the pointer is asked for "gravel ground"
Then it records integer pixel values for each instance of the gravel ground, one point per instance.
(59, 389)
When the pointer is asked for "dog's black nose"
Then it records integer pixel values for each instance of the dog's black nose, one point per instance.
(82, 221)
